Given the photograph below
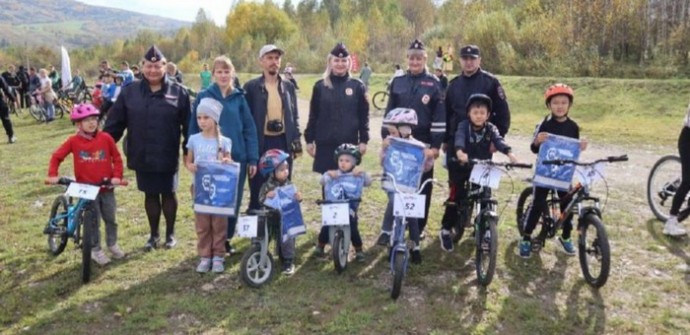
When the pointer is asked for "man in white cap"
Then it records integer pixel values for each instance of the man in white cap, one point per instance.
(273, 103)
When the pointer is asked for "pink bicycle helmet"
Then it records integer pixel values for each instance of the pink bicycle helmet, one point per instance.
(82, 111)
(401, 117)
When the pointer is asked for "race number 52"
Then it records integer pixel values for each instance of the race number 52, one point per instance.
(247, 226)
(409, 205)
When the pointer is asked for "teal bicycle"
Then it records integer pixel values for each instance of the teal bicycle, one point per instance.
(68, 219)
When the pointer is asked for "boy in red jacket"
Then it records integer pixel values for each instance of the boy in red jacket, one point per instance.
(95, 158)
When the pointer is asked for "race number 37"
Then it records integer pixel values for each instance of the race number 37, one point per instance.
(247, 226)
(411, 205)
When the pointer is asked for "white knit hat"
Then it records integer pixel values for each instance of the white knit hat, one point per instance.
(210, 107)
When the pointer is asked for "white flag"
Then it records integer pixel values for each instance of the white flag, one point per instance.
(66, 70)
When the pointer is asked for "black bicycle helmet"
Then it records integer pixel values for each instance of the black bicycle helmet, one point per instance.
(478, 98)
(348, 149)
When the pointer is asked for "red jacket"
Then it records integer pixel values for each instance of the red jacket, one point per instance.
(93, 159)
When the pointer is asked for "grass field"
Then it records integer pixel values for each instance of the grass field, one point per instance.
(159, 292)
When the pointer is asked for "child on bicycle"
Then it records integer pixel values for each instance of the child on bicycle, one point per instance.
(274, 165)
(474, 139)
(348, 157)
(399, 123)
(209, 146)
(96, 158)
(558, 98)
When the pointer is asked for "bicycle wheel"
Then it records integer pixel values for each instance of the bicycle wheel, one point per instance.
(523, 203)
(594, 252)
(487, 246)
(60, 111)
(37, 112)
(398, 273)
(380, 100)
(663, 181)
(339, 251)
(87, 218)
(57, 234)
(253, 272)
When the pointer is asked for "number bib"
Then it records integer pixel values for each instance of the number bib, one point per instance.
(247, 226)
(409, 205)
(337, 214)
(84, 191)
(486, 175)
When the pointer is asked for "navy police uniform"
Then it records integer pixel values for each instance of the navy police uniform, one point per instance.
(337, 114)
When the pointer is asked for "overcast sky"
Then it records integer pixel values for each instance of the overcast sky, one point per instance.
(184, 10)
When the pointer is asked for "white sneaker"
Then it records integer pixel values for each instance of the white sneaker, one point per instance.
(116, 252)
(100, 257)
(673, 227)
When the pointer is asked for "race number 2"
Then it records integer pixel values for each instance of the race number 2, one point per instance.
(335, 214)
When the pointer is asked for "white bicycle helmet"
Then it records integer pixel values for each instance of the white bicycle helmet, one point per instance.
(401, 117)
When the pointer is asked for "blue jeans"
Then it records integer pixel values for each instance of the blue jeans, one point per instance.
(412, 224)
(50, 110)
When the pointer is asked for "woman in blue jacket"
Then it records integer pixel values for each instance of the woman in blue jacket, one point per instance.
(236, 122)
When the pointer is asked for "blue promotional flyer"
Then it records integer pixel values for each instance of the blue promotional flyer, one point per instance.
(215, 189)
(292, 223)
(405, 161)
(556, 176)
(346, 186)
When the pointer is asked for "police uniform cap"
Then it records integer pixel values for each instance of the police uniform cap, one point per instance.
(154, 54)
(340, 50)
(470, 50)
(416, 45)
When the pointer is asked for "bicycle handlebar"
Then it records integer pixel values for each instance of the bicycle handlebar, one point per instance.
(507, 165)
(65, 181)
(610, 159)
(341, 201)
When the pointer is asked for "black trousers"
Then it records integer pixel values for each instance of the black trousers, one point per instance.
(684, 151)
(5, 117)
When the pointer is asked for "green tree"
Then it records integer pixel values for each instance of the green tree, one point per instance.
(261, 22)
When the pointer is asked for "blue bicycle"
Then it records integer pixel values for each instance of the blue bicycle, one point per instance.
(405, 205)
(67, 219)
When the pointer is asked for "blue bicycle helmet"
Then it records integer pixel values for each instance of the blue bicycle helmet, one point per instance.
(271, 160)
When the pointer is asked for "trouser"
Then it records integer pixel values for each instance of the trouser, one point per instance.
(458, 195)
(684, 151)
(105, 207)
(285, 249)
(211, 231)
(5, 117)
(412, 224)
(270, 142)
(232, 221)
(50, 110)
(427, 202)
(538, 206)
(355, 237)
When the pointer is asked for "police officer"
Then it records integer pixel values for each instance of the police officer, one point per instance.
(420, 90)
(471, 80)
(273, 103)
(338, 112)
(5, 110)
(155, 111)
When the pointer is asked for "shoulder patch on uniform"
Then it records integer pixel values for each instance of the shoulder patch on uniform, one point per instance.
(501, 92)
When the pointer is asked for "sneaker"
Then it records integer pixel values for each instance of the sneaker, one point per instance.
(416, 256)
(359, 256)
(12, 139)
(99, 257)
(673, 227)
(446, 240)
(204, 265)
(525, 249)
(422, 236)
(116, 252)
(151, 244)
(170, 242)
(229, 250)
(319, 252)
(218, 265)
(384, 239)
(288, 268)
(567, 245)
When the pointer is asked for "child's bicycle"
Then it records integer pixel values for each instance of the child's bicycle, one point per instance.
(405, 205)
(485, 175)
(257, 265)
(593, 249)
(662, 183)
(335, 214)
(67, 220)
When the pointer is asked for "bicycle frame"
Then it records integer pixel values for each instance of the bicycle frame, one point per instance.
(71, 215)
